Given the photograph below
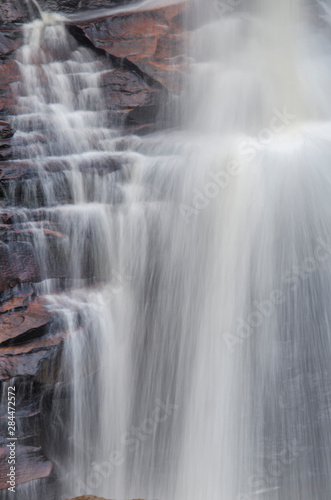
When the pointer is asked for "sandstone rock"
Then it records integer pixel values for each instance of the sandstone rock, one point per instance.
(32, 464)
(88, 4)
(6, 216)
(124, 89)
(6, 132)
(145, 48)
(10, 40)
(60, 5)
(15, 170)
(18, 11)
(40, 359)
(6, 151)
(27, 415)
(18, 261)
(13, 11)
(21, 315)
(15, 301)
(17, 264)
(9, 73)
(152, 39)
(50, 231)
(137, 101)
(69, 6)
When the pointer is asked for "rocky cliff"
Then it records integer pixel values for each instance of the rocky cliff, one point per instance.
(145, 49)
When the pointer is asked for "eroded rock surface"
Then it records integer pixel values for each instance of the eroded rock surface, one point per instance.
(31, 465)
(13, 11)
(153, 40)
(20, 315)
(17, 264)
(141, 54)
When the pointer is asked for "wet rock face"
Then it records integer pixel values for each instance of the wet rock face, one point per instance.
(19, 10)
(17, 264)
(153, 40)
(74, 5)
(28, 348)
(19, 316)
(9, 40)
(9, 74)
(31, 462)
(13, 11)
(141, 54)
(32, 465)
(6, 132)
(60, 5)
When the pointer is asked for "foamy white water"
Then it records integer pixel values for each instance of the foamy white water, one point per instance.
(204, 370)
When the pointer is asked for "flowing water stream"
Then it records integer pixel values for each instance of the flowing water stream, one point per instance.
(203, 371)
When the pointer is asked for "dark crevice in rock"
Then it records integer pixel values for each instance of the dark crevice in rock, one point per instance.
(6, 132)
(118, 62)
(82, 39)
(21, 289)
(26, 337)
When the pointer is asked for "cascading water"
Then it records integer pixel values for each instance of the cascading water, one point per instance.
(203, 371)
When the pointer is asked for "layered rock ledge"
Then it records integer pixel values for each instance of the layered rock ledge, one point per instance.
(142, 53)
(153, 40)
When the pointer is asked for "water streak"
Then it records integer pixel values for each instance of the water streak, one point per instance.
(200, 271)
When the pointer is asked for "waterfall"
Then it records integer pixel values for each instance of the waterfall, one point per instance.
(199, 260)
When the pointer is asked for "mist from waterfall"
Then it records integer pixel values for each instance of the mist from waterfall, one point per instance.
(203, 370)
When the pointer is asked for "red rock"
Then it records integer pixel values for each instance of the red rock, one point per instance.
(5, 150)
(39, 358)
(28, 420)
(7, 101)
(48, 233)
(88, 4)
(17, 301)
(152, 39)
(17, 264)
(10, 40)
(5, 217)
(125, 90)
(32, 464)
(63, 5)
(9, 73)
(20, 170)
(19, 315)
(5, 130)
(14, 170)
(13, 10)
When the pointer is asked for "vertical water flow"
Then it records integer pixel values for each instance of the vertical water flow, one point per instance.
(203, 369)
(77, 170)
(126, 300)
(258, 420)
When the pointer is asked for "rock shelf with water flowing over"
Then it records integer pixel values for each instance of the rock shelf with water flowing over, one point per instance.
(165, 249)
